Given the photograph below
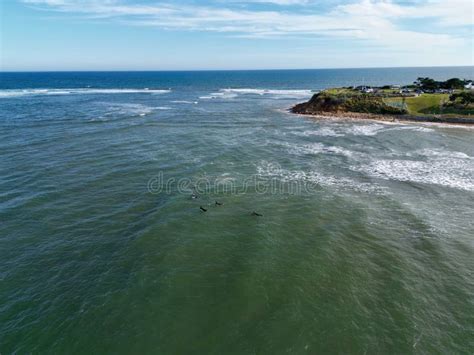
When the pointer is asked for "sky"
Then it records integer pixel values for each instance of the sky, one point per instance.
(49, 35)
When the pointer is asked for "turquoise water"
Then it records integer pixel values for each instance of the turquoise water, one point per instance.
(365, 244)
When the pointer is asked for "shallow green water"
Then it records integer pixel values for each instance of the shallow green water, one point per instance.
(365, 246)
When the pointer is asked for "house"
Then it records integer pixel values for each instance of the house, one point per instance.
(443, 91)
(365, 89)
(469, 86)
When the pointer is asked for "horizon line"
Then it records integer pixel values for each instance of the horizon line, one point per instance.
(223, 70)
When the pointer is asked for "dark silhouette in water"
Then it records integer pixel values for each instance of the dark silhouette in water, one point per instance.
(219, 203)
(257, 214)
(202, 209)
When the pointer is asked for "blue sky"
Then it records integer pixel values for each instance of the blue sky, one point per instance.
(233, 34)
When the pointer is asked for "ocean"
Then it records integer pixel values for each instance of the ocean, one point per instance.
(328, 236)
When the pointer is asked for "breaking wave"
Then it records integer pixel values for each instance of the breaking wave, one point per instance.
(358, 130)
(184, 102)
(323, 132)
(47, 92)
(268, 170)
(436, 167)
(232, 93)
(107, 111)
(317, 148)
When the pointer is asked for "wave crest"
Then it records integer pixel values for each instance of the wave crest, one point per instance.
(9, 93)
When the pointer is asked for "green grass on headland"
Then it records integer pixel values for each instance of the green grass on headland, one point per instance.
(341, 91)
(429, 104)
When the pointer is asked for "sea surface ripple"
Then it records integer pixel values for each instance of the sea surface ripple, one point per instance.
(365, 244)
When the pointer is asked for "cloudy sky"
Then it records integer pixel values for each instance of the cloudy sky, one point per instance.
(234, 34)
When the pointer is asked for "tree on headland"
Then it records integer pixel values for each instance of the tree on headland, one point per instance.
(466, 98)
(454, 83)
(427, 84)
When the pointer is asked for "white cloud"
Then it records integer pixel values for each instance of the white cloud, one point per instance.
(448, 13)
(275, 2)
(368, 20)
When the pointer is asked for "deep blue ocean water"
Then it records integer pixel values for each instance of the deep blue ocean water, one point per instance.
(365, 243)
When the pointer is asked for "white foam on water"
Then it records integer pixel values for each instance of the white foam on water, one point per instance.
(438, 167)
(322, 132)
(8, 93)
(366, 130)
(219, 95)
(225, 94)
(414, 128)
(286, 93)
(184, 102)
(318, 148)
(268, 170)
(442, 153)
(225, 178)
(359, 130)
(127, 109)
(376, 128)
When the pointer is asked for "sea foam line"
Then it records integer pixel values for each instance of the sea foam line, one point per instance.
(275, 171)
(443, 168)
(231, 93)
(184, 102)
(35, 92)
(296, 92)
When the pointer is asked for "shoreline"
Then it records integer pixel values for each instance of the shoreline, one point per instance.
(386, 118)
